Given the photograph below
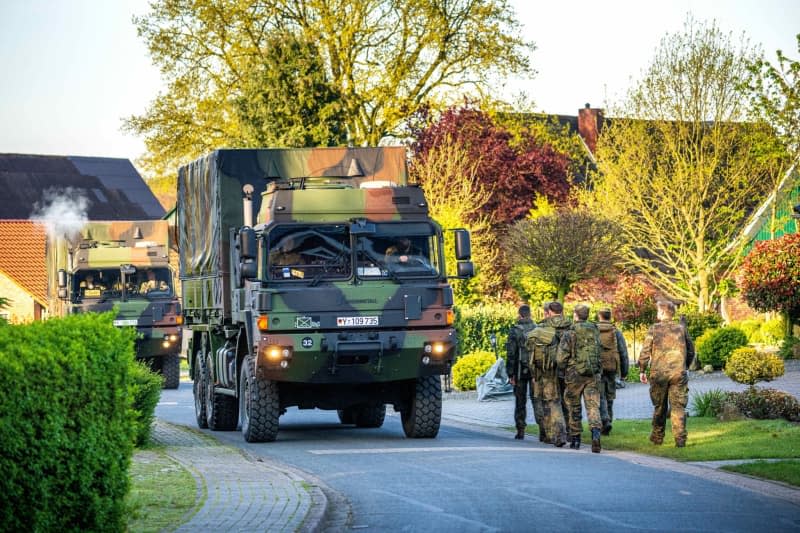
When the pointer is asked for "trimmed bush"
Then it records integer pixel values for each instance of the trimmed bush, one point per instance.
(469, 367)
(66, 428)
(715, 345)
(476, 324)
(146, 388)
(698, 323)
(746, 365)
(766, 404)
(709, 403)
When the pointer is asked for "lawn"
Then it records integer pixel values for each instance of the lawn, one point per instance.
(163, 493)
(708, 440)
(785, 471)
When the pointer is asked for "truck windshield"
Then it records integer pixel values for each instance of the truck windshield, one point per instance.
(399, 250)
(106, 283)
(302, 252)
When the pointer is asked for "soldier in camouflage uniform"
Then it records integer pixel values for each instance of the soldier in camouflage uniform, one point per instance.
(668, 350)
(582, 375)
(543, 344)
(614, 358)
(519, 374)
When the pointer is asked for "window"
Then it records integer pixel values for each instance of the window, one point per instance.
(301, 252)
(398, 250)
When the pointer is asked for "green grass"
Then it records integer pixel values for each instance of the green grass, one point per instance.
(163, 493)
(708, 439)
(785, 471)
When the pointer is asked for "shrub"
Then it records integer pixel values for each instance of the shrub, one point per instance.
(788, 349)
(746, 365)
(715, 345)
(773, 330)
(766, 404)
(709, 403)
(751, 328)
(698, 323)
(469, 367)
(475, 325)
(146, 391)
(66, 428)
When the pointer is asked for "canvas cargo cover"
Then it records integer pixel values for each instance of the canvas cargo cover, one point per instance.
(210, 191)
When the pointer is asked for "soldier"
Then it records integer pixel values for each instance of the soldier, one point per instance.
(614, 357)
(543, 344)
(668, 350)
(579, 356)
(519, 374)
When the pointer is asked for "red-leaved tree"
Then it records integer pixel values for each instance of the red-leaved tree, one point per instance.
(769, 277)
(513, 167)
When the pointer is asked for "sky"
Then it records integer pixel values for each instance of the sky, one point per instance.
(73, 69)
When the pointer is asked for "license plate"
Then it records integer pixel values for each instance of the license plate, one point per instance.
(129, 322)
(345, 321)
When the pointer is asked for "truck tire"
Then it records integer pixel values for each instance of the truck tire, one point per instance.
(222, 411)
(199, 391)
(423, 415)
(171, 369)
(369, 416)
(259, 405)
(346, 416)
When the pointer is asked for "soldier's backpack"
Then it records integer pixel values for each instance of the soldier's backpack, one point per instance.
(609, 356)
(587, 348)
(542, 344)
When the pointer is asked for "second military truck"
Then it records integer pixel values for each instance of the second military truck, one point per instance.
(335, 297)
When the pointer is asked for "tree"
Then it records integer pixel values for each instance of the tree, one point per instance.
(448, 177)
(563, 248)
(769, 277)
(377, 59)
(515, 167)
(681, 172)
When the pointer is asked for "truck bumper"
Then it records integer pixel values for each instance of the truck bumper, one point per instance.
(158, 342)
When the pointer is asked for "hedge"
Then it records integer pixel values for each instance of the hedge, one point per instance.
(476, 324)
(66, 424)
(469, 367)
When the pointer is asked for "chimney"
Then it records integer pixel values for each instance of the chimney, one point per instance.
(589, 123)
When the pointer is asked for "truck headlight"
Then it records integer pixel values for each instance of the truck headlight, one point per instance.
(275, 353)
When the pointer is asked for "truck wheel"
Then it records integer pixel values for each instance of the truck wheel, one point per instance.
(423, 415)
(259, 405)
(199, 391)
(369, 417)
(171, 368)
(222, 411)
(346, 416)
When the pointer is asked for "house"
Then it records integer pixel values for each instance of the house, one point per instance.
(100, 188)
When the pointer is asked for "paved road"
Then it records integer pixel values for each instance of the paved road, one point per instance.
(465, 480)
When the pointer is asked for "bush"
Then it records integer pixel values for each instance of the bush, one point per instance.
(709, 403)
(766, 404)
(789, 347)
(469, 367)
(698, 323)
(715, 345)
(145, 391)
(66, 428)
(746, 365)
(773, 330)
(476, 324)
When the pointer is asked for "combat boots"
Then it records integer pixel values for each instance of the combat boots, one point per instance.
(576, 443)
(680, 443)
(655, 439)
(595, 440)
(520, 433)
(543, 435)
(606, 428)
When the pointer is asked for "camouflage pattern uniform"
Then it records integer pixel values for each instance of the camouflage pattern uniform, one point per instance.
(668, 350)
(577, 386)
(517, 356)
(608, 378)
(547, 390)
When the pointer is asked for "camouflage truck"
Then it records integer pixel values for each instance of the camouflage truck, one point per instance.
(337, 297)
(123, 265)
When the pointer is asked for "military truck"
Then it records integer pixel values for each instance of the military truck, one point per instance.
(123, 264)
(336, 297)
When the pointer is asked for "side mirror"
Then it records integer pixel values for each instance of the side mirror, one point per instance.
(62, 293)
(62, 281)
(248, 270)
(248, 243)
(466, 269)
(463, 248)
